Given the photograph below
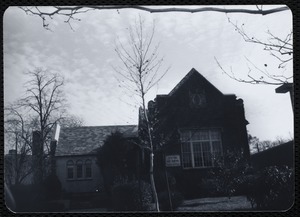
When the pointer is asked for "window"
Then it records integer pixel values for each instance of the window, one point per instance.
(88, 169)
(200, 148)
(79, 169)
(70, 169)
(82, 169)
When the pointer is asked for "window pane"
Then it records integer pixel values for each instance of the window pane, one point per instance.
(88, 172)
(88, 168)
(217, 149)
(186, 160)
(197, 154)
(70, 169)
(206, 154)
(204, 135)
(216, 145)
(186, 154)
(186, 147)
(79, 171)
(215, 135)
(196, 147)
(70, 162)
(70, 173)
(200, 135)
(198, 160)
(185, 136)
(195, 135)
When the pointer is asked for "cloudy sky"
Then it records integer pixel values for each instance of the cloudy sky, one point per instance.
(86, 55)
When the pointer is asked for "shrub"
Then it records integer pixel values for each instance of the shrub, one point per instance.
(28, 198)
(272, 188)
(132, 196)
(164, 202)
(52, 187)
(229, 176)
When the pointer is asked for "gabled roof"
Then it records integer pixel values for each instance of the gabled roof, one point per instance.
(86, 140)
(187, 77)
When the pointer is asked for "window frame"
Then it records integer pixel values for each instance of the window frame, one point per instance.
(192, 142)
(88, 162)
(70, 165)
(73, 165)
(79, 163)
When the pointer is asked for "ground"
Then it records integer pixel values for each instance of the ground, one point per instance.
(237, 203)
(216, 204)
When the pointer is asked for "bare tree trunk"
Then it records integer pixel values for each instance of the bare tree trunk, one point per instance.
(141, 64)
(152, 181)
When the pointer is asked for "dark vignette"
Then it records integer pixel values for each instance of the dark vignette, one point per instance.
(295, 10)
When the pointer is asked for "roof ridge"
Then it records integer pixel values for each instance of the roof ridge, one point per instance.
(187, 76)
(101, 126)
(192, 71)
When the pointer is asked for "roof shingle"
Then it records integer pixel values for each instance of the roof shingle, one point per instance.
(86, 140)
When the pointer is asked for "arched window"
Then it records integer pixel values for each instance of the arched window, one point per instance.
(70, 169)
(88, 169)
(79, 169)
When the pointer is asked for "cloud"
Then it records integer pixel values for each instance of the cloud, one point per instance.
(85, 57)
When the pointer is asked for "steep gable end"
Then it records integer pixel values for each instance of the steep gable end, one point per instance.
(193, 73)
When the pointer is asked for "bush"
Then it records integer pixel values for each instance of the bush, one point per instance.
(28, 198)
(164, 202)
(52, 187)
(132, 196)
(35, 198)
(271, 188)
(229, 176)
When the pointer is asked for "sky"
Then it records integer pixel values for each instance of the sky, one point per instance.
(85, 56)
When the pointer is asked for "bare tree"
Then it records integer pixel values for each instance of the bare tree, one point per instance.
(71, 12)
(139, 72)
(17, 163)
(279, 48)
(257, 145)
(39, 110)
(69, 120)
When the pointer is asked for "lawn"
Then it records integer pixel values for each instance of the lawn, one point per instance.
(236, 203)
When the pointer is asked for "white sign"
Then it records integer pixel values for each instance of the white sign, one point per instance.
(172, 160)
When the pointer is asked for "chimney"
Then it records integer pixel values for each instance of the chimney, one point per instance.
(53, 144)
(37, 146)
(37, 157)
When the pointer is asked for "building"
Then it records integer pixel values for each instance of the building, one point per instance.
(76, 162)
(196, 125)
(274, 156)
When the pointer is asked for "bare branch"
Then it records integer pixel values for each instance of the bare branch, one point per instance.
(71, 12)
(273, 80)
(140, 69)
(276, 46)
